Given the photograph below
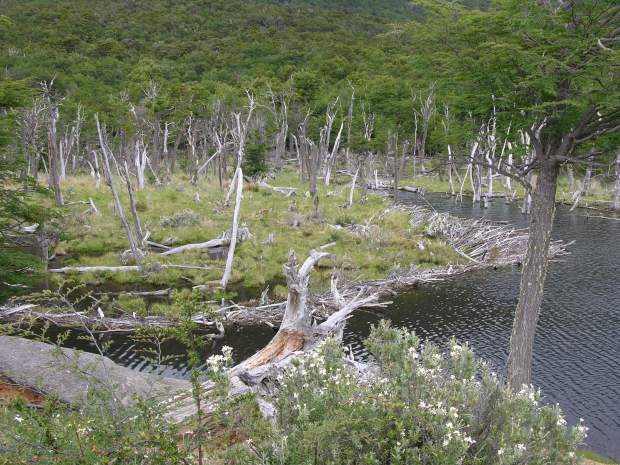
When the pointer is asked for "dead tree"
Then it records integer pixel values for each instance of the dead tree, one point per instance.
(365, 156)
(587, 179)
(326, 134)
(297, 331)
(69, 145)
(398, 159)
(107, 154)
(240, 136)
(279, 111)
(53, 154)
(349, 124)
(95, 172)
(29, 124)
(617, 184)
(132, 206)
(426, 113)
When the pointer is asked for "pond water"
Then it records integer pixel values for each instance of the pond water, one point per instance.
(576, 357)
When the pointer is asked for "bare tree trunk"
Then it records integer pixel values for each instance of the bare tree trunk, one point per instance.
(96, 172)
(571, 178)
(132, 206)
(52, 144)
(617, 186)
(117, 202)
(235, 227)
(296, 325)
(353, 187)
(533, 276)
(587, 180)
(450, 168)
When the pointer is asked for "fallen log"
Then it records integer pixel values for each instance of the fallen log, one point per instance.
(97, 269)
(212, 244)
(415, 190)
(286, 191)
(70, 375)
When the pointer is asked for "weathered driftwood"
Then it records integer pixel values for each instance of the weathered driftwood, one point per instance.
(286, 191)
(70, 375)
(212, 244)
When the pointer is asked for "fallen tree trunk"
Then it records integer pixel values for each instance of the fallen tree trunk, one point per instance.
(212, 244)
(71, 375)
(286, 191)
(97, 269)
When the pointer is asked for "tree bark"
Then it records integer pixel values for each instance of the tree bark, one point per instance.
(533, 276)
(617, 187)
(235, 227)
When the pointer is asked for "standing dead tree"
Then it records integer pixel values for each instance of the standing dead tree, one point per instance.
(617, 183)
(426, 113)
(240, 133)
(279, 112)
(69, 145)
(587, 179)
(29, 123)
(107, 154)
(53, 153)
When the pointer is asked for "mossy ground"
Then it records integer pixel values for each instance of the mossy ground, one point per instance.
(99, 239)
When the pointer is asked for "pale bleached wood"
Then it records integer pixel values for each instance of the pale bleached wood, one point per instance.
(212, 244)
(235, 227)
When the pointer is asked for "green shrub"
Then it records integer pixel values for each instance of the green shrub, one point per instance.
(183, 218)
(254, 161)
(421, 408)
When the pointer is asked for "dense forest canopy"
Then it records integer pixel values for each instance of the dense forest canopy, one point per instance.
(216, 50)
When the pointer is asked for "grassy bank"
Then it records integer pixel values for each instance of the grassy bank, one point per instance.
(277, 223)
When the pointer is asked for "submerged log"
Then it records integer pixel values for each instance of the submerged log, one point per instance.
(70, 375)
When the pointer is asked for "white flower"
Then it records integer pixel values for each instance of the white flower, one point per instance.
(519, 448)
(500, 452)
(18, 419)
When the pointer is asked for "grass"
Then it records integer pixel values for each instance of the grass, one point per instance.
(593, 457)
(390, 244)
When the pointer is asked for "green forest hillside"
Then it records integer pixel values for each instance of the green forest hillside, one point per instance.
(219, 48)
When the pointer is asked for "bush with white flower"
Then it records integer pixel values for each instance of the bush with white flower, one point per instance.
(419, 407)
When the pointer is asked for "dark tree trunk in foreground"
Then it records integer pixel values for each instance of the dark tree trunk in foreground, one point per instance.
(533, 276)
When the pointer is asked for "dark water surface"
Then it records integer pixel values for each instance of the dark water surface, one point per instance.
(577, 347)
(577, 352)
